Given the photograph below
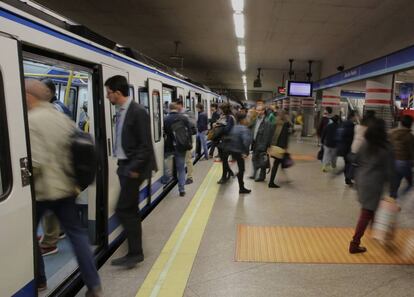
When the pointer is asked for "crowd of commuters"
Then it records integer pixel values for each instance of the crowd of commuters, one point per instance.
(373, 160)
(376, 160)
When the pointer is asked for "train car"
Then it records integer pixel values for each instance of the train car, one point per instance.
(36, 48)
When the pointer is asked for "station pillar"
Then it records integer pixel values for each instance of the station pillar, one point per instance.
(332, 98)
(378, 97)
(308, 110)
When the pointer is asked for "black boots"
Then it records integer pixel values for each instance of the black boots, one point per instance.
(354, 248)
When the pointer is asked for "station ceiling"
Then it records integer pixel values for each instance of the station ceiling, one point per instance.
(329, 32)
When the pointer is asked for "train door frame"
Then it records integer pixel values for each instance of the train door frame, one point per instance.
(17, 207)
(73, 281)
(154, 86)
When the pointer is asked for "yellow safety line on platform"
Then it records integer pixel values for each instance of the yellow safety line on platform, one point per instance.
(169, 275)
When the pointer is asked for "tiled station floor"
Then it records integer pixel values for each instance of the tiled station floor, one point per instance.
(310, 199)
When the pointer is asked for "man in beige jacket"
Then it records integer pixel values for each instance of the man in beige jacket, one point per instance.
(55, 187)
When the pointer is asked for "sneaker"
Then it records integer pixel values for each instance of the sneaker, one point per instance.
(41, 287)
(189, 181)
(62, 235)
(46, 251)
(182, 194)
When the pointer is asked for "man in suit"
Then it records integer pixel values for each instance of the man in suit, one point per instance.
(136, 161)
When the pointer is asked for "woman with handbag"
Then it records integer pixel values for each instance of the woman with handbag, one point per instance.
(375, 169)
(279, 145)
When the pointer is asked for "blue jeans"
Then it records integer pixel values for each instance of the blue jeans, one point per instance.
(202, 136)
(180, 166)
(65, 211)
(403, 169)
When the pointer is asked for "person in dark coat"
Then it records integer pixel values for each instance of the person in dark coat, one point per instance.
(215, 115)
(402, 141)
(136, 162)
(262, 137)
(238, 146)
(328, 139)
(375, 169)
(327, 115)
(227, 122)
(345, 135)
(281, 140)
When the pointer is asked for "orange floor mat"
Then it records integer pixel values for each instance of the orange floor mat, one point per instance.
(318, 245)
(297, 157)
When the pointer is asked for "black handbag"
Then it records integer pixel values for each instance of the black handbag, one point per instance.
(320, 154)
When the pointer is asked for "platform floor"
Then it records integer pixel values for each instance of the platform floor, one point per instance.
(311, 199)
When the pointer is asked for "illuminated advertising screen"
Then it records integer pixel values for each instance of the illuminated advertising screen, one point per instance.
(299, 89)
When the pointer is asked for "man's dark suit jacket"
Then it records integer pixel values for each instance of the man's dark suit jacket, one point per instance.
(137, 143)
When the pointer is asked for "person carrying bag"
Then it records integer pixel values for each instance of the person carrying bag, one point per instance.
(278, 148)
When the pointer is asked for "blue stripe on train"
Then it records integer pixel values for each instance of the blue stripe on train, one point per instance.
(42, 28)
(28, 290)
(113, 222)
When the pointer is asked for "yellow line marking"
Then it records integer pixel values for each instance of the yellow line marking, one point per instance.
(169, 274)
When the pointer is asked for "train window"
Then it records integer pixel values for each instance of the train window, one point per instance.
(167, 97)
(132, 92)
(156, 104)
(188, 103)
(5, 165)
(143, 98)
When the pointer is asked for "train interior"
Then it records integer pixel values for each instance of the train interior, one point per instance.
(73, 85)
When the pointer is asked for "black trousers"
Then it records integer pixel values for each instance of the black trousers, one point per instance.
(275, 166)
(127, 211)
(224, 156)
(240, 164)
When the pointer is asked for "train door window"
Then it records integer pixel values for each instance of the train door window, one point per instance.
(167, 98)
(74, 85)
(198, 96)
(5, 166)
(156, 104)
(188, 103)
(132, 92)
(143, 98)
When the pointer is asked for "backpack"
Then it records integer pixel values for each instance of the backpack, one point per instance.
(182, 136)
(84, 158)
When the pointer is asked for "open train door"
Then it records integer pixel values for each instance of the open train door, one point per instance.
(16, 204)
(157, 128)
(114, 230)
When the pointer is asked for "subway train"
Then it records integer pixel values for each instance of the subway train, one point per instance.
(35, 46)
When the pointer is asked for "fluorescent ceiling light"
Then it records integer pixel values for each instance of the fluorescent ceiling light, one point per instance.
(239, 24)
(399, 82)
(241, 49)
(242, 58)
(244, 79)
(238, 5)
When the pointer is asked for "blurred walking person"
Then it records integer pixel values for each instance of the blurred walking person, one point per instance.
(402, 141)
(55, 188)
(328, 140)
(375, 170)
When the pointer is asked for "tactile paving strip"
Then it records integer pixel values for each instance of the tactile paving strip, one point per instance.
(318, 245)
